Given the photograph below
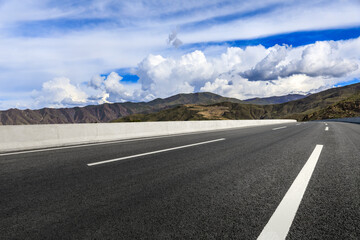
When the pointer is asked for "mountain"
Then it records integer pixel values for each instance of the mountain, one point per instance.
(315, 106)
(347, 108)
(218, 111)
(191, 98)
(299, 108)
(275, 99)
(105, 112)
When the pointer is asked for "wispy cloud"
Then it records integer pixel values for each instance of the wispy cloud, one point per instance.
(174, 40)
(45, 40)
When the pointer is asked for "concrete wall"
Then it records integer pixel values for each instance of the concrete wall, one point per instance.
(349, 120)
(21, 137)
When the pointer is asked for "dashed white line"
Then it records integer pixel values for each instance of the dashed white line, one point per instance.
(327, 129)
(149, 153)
(298, 124)
(280, 222)
(326, 124)
(279, 128)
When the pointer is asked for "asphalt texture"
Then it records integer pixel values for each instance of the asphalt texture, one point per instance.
(221, 190)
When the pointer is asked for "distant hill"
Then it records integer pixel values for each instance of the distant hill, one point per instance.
(191, 98)
(315, 106)
(196, 106)
(274, 100)
(218, 111)
(105, 112)
(299, 108)
(347, 108)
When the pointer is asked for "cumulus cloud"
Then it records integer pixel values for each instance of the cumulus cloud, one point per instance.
(243, 89)
(110, 89)
(254, 71)
(322, 59)
(59, 92)
(266, 69)
(166, 76)
(319, 59)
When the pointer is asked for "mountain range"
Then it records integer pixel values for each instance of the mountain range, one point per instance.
(333, 103)
(198, 106)
(105, 112)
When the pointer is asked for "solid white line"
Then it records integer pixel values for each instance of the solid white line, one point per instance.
(279, 128)
(327, 129)
(158, 151)
(280, 222)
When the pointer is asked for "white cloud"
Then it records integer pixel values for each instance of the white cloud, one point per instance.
(241, 73)
(220, 86)
(319, 59)
(59, 92)
(110, 89)
(133, 29)
(323, 59)
(116, 90)
(166, 76)
(291, 16)
(38, 41)
(243, 89)
(253, 71)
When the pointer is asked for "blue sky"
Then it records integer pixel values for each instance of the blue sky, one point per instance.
(66, 53)
(293, 38)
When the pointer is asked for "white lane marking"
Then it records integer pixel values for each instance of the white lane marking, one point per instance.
(81, 145)
(298, 124)
(327, 129)
(158, 151)
(280, 222)
(102, 143)
(325, 124)
(279, 128)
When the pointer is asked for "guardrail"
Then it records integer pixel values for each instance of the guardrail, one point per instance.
(22, 137)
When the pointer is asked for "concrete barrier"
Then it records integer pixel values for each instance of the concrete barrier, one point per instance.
(22, 137)
(348, 120)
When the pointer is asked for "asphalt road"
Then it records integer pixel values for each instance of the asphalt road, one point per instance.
(215, 185)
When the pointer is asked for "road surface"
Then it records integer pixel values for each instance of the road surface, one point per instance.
(297, 180)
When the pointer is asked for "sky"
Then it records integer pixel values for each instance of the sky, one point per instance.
(75, 53)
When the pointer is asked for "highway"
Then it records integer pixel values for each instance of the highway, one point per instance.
(296, 180)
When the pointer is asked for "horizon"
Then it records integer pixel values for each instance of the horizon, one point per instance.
(78, 53)
(275, 96)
